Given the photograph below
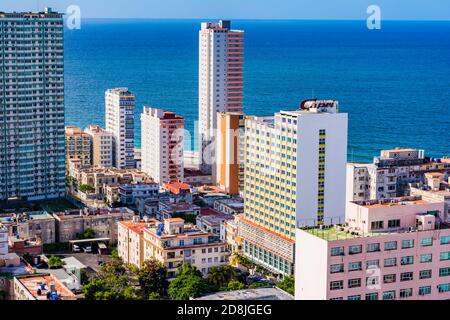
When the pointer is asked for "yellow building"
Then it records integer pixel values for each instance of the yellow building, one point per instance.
(78, 145)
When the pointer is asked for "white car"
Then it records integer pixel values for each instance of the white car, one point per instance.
(76, 248)
(87, 249)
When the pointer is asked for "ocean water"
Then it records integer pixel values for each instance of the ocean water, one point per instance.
(394, 83)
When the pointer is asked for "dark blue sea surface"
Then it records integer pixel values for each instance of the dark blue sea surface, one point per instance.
(394, 82)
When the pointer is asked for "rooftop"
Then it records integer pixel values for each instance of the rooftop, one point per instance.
(44, 283)
(391, 202)
(250, 294)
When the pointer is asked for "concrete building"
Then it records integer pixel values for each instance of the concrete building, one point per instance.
(294, 175)
(230, 205)
(389, 174)
(229, 232)
(39, 225)
(3, 240)
(41, 287)
(265, 294)
(162, 145)
(211, 220)
(175, 208)
(130, 244)
(32, 146)
(130, 192)
(119, 116)
(70, 224)
(387, 249)
(102, 146)
(78, 145)
(175, 243)
(230, 152)
(221, 83)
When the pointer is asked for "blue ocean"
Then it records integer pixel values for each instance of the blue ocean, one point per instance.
(394, 83)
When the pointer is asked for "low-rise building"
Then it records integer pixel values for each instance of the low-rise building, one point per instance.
(172, 209)
(210, 220)
(3, 240)
(38, 226)
(229, 232)
(388, 249)
(131, 191)
(71, 223)
(230, 205)
(130, 244)
(249, 294)
(41, 287)
(196, 177)
(175, 243)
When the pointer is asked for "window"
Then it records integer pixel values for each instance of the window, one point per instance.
(445, 287)
(445, 240)
(390, 262)
(376, 225)
(373, 264)
(406, 244)
(355, 249)
(338, 298)
(336, 285)
(355, 297)
(394, 223)
(424, 290)
(371, 281)
(336, 268)
(426, 242)
(406, 276)
(444, 272)
(355, 266)
(391, 245)
(354, 283)
(389, 295)
(372, 296)
(389, 278)
(373, 247)
(424, 274)
(444, 256)
(405, 293)
(428, 257)
(337, 251)
(407, 260)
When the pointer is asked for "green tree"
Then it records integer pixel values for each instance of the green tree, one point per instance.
(154, 296)
(85, 188)
(256, 285)
(152, 277)
(55, 262)
(220, 276)
(287, 284)
(189, 283)
(235, 285)
(87, 234)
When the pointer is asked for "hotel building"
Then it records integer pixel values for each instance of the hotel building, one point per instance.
(221, 63)
(230, 152)
(294, 175)
(388, 249)
(162, 145)
(102, 146)
(78, 145)
(119, 107)
(32, 163)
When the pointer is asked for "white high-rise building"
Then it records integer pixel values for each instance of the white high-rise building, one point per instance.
(119, 107)
(294, 176)
(162, 145)
(221, 63)
(102, 146)
(32, 157)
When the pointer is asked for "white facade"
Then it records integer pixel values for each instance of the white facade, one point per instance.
(119, 108)
(102, 146)
(32, 159)
(3, 240)
(220, 81)
(162, 145)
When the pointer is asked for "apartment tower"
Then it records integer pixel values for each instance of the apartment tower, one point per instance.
(32, 162)
(102, 146)
(221, 61)
(119, 109)
(294, 175)
(162, 145)
(78, 145)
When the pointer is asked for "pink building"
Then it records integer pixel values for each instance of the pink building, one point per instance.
(388, 249)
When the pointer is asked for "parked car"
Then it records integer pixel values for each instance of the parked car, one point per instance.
(87, 249)
(76, 248)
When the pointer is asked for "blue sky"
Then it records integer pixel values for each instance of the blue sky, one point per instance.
(243, 9)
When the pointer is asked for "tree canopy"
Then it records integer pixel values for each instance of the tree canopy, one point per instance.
(189, 283)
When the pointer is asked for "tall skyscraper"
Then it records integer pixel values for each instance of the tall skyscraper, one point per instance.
(162, 145)
(230, 151)
(221, 63)
(119, 107)
(32, 160)
(295, 168)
